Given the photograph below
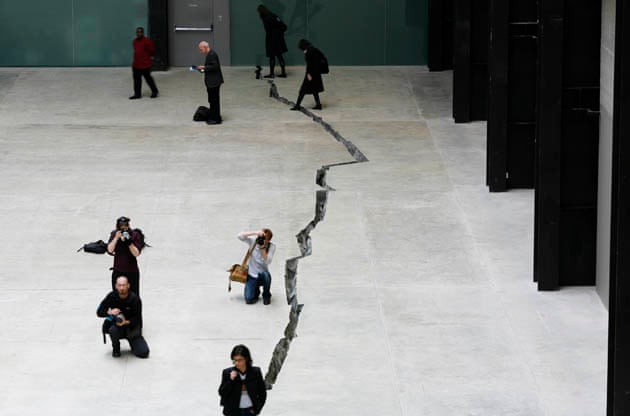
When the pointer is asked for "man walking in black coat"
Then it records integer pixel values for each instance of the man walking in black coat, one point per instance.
(213, 79)
(123, 312)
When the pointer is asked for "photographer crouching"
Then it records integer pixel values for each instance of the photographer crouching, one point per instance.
(125, 244)
(122, 310)
(258, 273)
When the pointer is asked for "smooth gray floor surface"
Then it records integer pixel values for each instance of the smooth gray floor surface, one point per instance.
(418, 296)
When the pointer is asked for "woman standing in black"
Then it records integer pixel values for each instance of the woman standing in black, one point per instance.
(312, 83)
(274, 40)
(243, 391)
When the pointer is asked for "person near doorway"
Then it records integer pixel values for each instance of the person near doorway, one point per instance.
(275, 44)
(143, 50)
(213, 78)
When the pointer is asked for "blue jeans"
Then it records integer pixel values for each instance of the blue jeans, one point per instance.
(252, 287)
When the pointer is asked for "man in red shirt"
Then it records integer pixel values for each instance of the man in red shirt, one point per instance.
(143, 49)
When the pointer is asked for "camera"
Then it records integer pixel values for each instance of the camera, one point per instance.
(120, 318)
(260, 240)
(125, 235)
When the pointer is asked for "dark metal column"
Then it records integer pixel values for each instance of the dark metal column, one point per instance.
(440, 35)
(470, 60)
(568, 135)
(619, 306)
(547, 198)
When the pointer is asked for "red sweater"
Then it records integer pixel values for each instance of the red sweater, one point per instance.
(143, 50)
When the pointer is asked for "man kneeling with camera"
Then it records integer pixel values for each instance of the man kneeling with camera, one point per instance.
(122, 310)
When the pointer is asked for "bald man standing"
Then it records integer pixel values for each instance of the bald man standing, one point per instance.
(213, 79)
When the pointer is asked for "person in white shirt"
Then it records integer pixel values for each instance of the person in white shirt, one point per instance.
(258, 273)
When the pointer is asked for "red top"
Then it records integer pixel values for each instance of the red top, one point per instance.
(143, 50)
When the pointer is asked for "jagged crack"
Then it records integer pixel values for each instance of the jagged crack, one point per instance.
(281, 350)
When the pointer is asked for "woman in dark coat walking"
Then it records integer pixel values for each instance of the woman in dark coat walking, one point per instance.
(243, 391)
(312, 83)
(275, 44)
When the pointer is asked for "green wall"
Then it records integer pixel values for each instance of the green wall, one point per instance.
(99, 32)
(69, 32)
(350, 32)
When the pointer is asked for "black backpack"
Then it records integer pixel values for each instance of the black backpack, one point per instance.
(96, 247)
(323, 63)
(144, 243)
(202, 114)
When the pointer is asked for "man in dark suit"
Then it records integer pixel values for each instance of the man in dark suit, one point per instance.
(213, 79)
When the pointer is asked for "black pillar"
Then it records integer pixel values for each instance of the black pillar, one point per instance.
(158, 32)
(512, 70)
(568, 135)
(618, 403)
(440, 35)
(470, 60)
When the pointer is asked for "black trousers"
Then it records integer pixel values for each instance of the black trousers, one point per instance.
(137, 81)
(215, 103)
(138, 344)
(133, 277)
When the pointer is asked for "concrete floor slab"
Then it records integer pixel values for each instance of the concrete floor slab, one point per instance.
(418, 296)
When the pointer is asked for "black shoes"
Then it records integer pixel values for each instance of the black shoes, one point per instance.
(116, 353)
(266, 301)
(282, 76)
(134, 97)
(269, 76)
(213, 122)
(154, 94)
(295, 108)
(317, 107)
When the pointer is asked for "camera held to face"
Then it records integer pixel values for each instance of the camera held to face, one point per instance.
(125, 235)
(260, 240)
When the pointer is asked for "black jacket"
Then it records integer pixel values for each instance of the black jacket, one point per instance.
(131, 307)
(213, 76)
(313, 57)
(275, 44)
(230, 390)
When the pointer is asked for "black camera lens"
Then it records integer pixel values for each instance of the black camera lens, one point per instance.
(260, 240)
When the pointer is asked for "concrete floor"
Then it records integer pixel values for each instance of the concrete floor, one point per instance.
(418, 296)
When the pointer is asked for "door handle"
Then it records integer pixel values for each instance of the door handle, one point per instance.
(193, 29)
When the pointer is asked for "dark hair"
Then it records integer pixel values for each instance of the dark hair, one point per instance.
(243, 351)
(263, 11)
(304, 44)
(140, 28)
(122, 220)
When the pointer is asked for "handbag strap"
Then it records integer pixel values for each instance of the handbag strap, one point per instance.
(249, 253)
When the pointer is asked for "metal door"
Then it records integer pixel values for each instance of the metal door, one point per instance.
(192, 21)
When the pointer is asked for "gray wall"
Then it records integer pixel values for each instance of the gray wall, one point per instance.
(607, 68)
(69, 32)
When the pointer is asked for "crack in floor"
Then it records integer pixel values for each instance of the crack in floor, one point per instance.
(281, 349)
